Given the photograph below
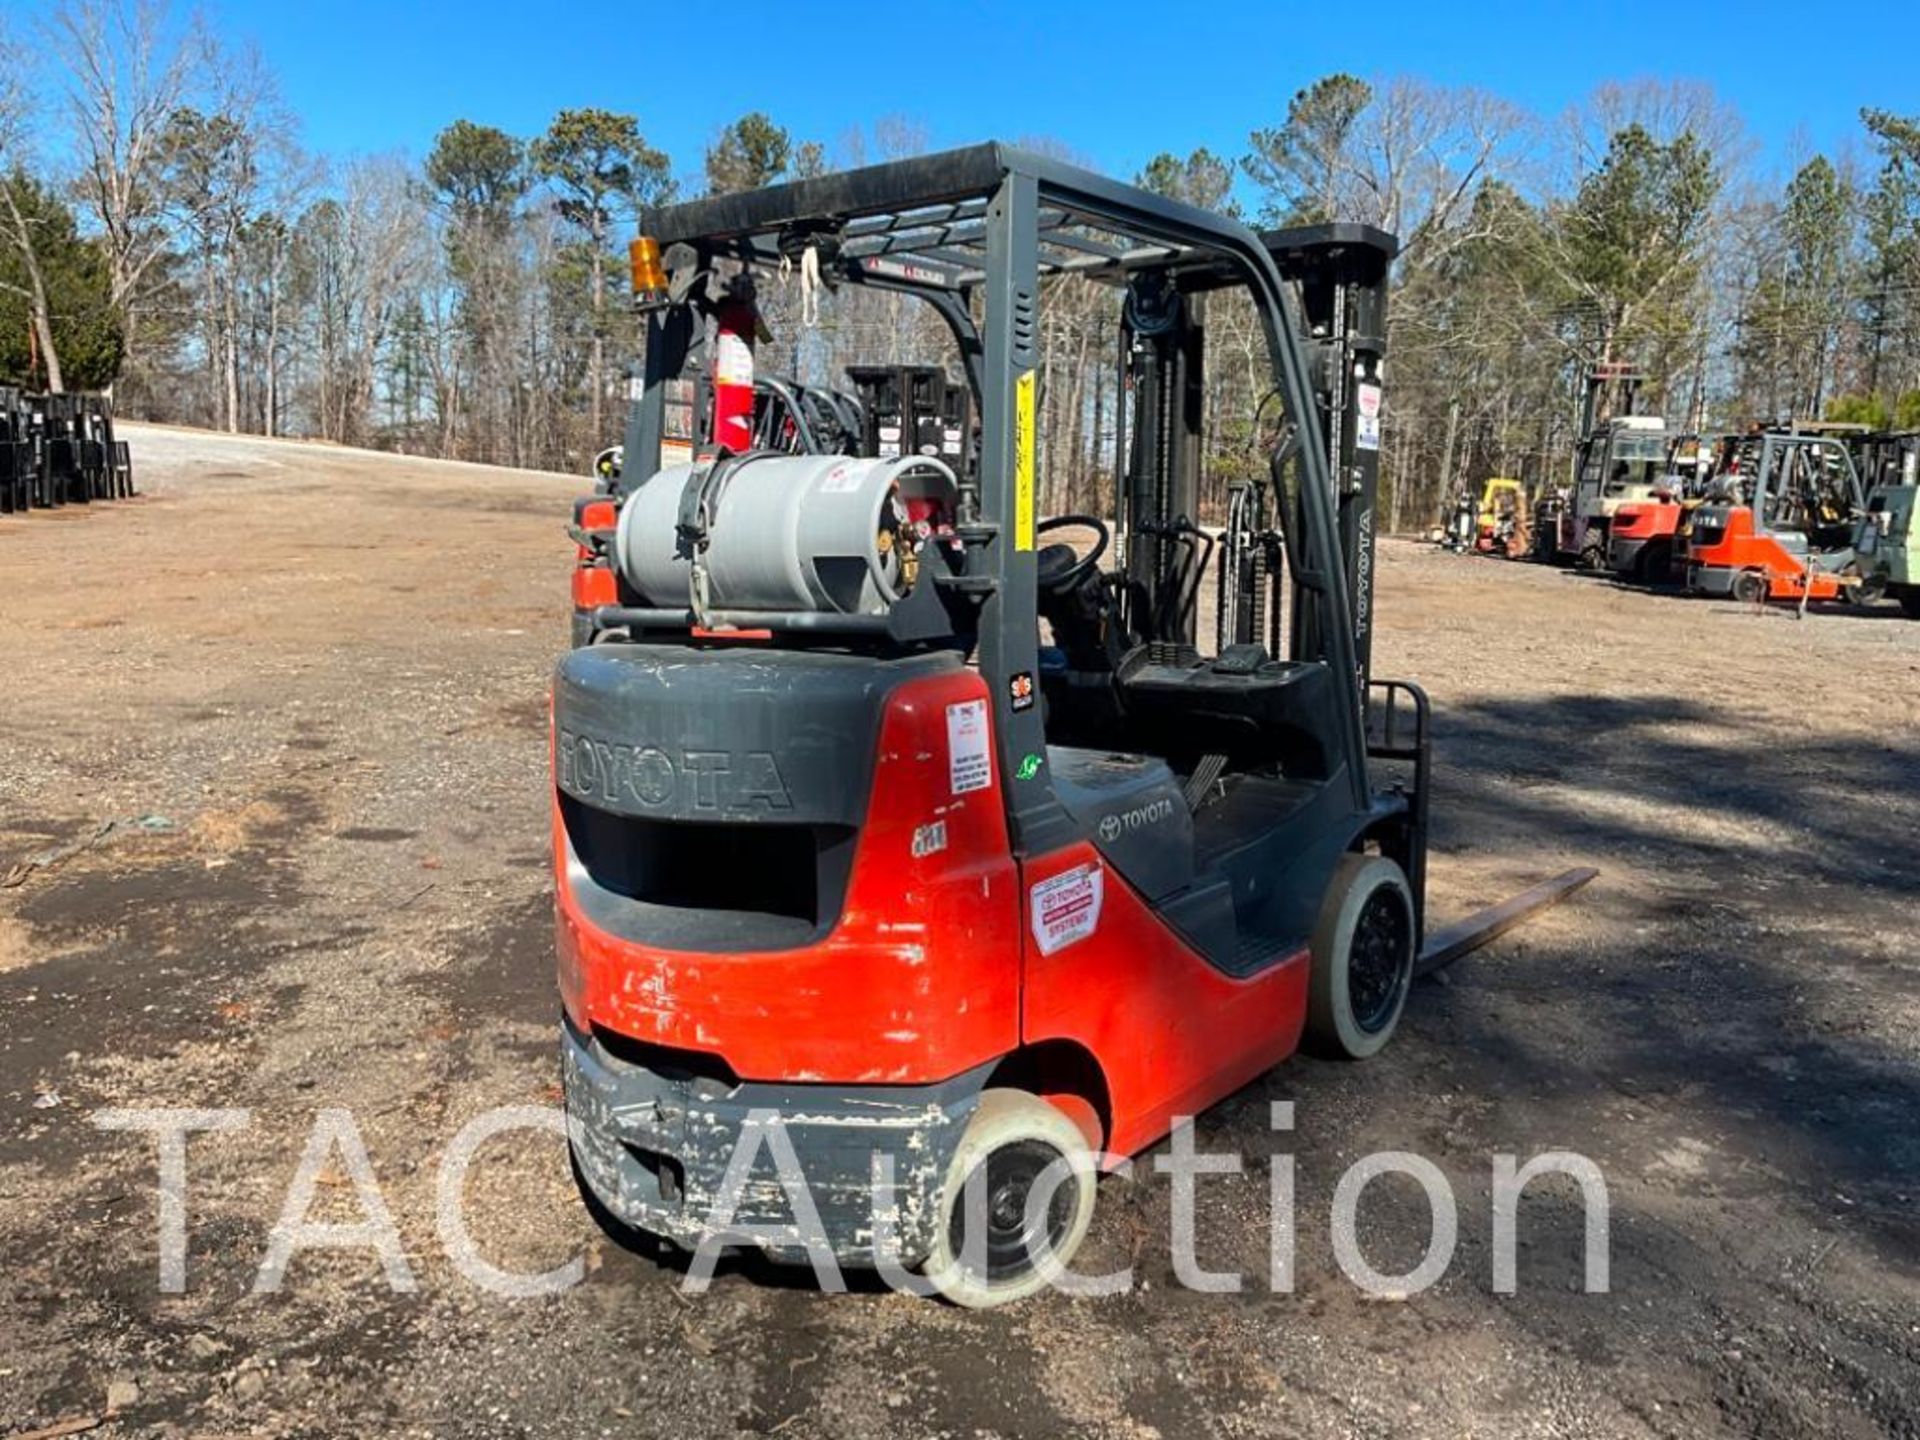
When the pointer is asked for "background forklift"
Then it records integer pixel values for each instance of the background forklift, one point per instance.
(1502, 526)
(1620, 459)
(1885, 539)
(1495, 524)
(1646, 538)
(1782, 527)
(839, 838)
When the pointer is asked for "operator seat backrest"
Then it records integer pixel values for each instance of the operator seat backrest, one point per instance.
(1257, 711)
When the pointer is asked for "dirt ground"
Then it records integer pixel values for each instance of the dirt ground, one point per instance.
(310, 685)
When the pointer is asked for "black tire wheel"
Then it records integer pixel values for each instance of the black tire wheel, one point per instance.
(1014, 1141)
(1655, 563)
(1593, 553)
(1910, 600)
(1751, 587)
(1363, 953)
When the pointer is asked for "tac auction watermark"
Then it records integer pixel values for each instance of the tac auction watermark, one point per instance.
(763, 1153)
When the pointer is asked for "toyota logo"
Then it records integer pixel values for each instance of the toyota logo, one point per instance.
(1110, 828)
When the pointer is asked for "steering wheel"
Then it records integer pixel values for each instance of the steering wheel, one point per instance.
(1060, 569)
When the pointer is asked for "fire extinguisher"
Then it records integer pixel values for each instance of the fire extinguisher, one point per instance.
(736, 323)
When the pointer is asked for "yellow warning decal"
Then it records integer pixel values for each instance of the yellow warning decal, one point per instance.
(1023, 462)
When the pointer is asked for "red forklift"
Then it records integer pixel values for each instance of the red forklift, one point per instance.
(1781, 527)
(881, 810)
(1644, 538)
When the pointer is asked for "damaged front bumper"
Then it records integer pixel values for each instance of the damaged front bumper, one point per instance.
(784, 1167)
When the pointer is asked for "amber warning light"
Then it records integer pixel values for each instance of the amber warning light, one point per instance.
(649, 275)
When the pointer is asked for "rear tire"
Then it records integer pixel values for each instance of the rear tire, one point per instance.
(1655, 563)
(1017, 1140)
(1910, 600)
(1751, 587)
(1363, 953)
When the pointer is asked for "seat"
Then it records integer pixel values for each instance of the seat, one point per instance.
(1256, 711)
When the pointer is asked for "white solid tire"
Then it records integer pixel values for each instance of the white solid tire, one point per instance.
(1332, 1027)
(1006, 1118)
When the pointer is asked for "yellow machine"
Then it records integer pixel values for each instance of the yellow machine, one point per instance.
(1501, 526)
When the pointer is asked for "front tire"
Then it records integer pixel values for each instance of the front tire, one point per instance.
(1363, 953)
(1751, 587)
(1015, 1143)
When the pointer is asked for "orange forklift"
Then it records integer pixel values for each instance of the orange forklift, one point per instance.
(848, 844)
(1781, 528)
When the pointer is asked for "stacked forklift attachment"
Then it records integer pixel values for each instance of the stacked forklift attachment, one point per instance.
(59, 450)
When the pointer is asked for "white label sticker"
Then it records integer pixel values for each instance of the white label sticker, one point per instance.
(1369, 398)
(732, 361)
(840, 480)
(1066, 908)
(968, 764)
(1367, 435)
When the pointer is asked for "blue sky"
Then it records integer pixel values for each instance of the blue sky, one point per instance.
(1116, 82)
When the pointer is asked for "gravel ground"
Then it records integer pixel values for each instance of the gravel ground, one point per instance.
(309, 684)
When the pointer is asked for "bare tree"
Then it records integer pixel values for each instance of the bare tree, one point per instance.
(224, 169)
(1421, 152)
(362, 258)
(17, 228)
(129, 67)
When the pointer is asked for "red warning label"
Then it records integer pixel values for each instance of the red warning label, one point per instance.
(1066, 908)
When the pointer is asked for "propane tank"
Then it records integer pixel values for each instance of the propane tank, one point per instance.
(825, 533)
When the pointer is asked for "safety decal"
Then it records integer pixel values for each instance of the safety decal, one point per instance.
(1366, 433)
(732, 361)
(1020, 690)
(968, 764)
(839, 480)
(1066, 908)
(1023, 442)
(1029, 766)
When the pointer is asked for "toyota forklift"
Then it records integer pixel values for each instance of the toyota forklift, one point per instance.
(1783, 526)
(883, 813)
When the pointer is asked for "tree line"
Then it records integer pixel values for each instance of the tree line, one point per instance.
(163, 233)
